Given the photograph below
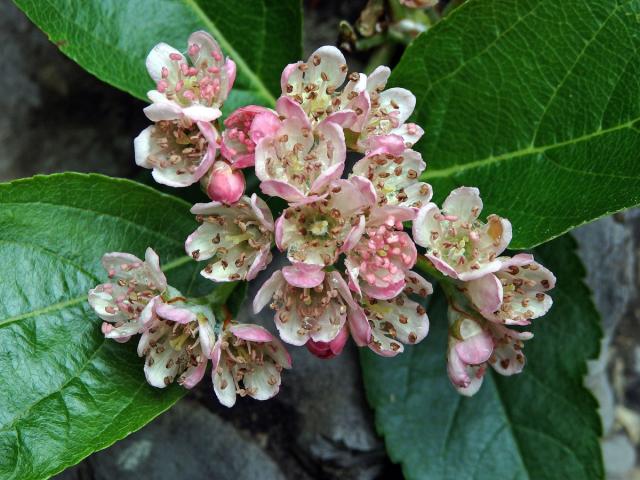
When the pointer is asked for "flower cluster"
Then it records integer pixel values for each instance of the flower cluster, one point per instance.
(345, 233)
(497, 291)
(178, 336)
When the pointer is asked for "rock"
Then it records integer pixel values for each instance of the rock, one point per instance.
(619, 457)
(607, 250)
(188, 441)
(60, 118)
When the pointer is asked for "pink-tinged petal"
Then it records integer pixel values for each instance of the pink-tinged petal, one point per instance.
(148, 313)
(142, 147)
(216, 353)
(199, 113)
(286, 73)
(262, 211)
(261, 261)
(383, 293)
(268, 288)
(457, 369)
(475, 383)
(377, 80)
(475, 350)
(343, 118)
(403, 98)
(265, 124)
(490, 267)
(391, 144)
(485, 293)
(411, 133)
(464, 203)
(354, 235)
(207, 335)
(517, 260)
(442, 266)
(398, 213)
(332, 173)
(231, 68)
(289, 108)
(223, 385)
(279, 188)
(361, 103)
(337, 282)
(206, 208)
(303, 275)
(331, 64)
(425, 223)
(175, 314)
(276, 350)
(417, 285)
(193, 375)
(207, 47)
(156, 274)
(359, 326)
(262, 381)
(353, 272)
(252, 333)
(498, 234)
(366, 189)
(278, 230)
(162, 110)
(159, 58)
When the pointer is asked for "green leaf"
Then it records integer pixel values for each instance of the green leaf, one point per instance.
(537, 103)
(66, 391)
(111, 38)
(541, 424)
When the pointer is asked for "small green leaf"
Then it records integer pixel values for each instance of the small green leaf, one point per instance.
(537, 103)
(111, 38)
(541, 424)
(66, 391)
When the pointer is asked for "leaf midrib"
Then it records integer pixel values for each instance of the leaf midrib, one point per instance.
(530, 150)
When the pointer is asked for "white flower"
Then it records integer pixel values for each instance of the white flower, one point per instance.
(179, 151)
(458, 243)
(309, 303)
(124, 303)
(195, 85)
(178, 341)
(236, 237)
(395, 173)
(318, 231)
(514, 295)
(247, 360)
(387, 114)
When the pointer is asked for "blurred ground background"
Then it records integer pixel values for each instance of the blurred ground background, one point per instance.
(56, 117)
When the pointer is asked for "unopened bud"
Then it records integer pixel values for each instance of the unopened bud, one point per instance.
(224, 184)
(326, 350)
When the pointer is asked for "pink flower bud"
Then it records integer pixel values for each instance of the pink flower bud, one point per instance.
(224, 184)
(326, 350)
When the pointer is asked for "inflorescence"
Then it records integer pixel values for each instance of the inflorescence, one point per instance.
(345, 234)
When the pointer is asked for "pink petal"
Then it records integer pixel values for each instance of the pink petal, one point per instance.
(463, 202)
(303, 275)
(268, 288)
(252, 333)
(475, 350)
(485, 293)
